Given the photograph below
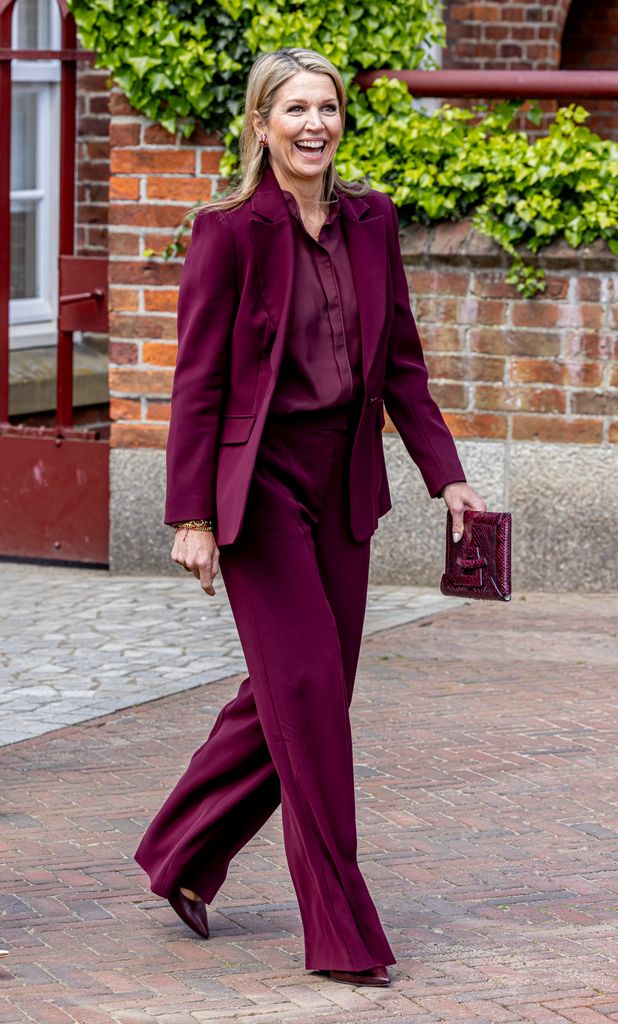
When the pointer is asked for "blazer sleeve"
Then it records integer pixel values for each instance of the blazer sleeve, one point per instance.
(207, 305)
(406, 393)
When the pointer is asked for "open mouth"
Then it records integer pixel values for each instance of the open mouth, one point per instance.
(311, 148)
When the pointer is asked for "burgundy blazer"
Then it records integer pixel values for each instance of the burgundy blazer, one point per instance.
(233, 310)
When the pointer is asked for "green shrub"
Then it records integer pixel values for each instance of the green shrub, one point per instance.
(452, 164)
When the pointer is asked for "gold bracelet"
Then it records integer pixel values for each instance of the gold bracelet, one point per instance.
(195, 524)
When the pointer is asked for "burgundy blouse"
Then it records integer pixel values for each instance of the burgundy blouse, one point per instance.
(321, 365)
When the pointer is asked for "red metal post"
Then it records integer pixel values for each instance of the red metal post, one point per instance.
(64, 381)
(538, 85)
(6, 16)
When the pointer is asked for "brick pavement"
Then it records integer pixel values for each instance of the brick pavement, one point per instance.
(77, 643)
(485, 750)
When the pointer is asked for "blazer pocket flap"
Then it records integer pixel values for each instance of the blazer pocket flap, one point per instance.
(236, 429)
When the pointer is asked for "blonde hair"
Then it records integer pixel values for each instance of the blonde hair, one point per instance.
(268, 72)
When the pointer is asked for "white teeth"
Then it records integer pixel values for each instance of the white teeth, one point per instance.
(310, 145)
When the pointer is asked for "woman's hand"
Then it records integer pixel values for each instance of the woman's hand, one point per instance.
(197, 552)
(458, 497)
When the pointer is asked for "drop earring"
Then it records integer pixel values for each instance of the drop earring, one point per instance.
(263, 141)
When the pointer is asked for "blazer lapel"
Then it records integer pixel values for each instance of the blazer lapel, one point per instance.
(367, 248)
(273, 243)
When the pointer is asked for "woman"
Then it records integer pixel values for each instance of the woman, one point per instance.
(294, 327)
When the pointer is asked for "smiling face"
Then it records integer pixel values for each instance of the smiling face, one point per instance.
(305, 110)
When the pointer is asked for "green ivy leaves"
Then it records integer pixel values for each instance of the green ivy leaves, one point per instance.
(184, 62)
(179, 63)
(457, 163)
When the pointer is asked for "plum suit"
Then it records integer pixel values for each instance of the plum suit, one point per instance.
(295, 500)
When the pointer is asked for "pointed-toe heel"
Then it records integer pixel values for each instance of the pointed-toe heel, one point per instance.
(192, 912)
(376, 976)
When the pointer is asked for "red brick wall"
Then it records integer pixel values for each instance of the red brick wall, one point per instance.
(505, 367)
(92, 198)
(537, 34)
(155, 179)
(591, 41)
(501, 366)
(504, 33)
(92, 171)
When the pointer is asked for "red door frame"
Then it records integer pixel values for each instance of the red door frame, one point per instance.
(54, 481)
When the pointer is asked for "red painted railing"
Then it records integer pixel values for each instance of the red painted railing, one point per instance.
(538, 85)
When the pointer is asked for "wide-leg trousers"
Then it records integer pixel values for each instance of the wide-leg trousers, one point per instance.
(297, 584)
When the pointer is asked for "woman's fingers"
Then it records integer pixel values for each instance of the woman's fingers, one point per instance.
(457, 512)
(204, 571)
(205, 575)
(476, 503)
(198, 553)
(458, 497)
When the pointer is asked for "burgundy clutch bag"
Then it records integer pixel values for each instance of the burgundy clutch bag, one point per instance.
(479, 565)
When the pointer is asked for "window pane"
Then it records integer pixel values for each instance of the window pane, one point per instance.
(24, 117)
(24, 284)
(36, 24)
(31, 28)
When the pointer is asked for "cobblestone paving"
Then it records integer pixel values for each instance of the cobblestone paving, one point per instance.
(485, 756)
(76, 644)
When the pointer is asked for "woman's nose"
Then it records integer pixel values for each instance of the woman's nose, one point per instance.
(314, 120)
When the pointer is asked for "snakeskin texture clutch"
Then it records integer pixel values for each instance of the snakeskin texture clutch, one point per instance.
(479, 565)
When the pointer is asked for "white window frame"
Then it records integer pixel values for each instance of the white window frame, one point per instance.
(33, 320)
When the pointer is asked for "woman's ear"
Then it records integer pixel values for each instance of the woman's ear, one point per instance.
(257, 122)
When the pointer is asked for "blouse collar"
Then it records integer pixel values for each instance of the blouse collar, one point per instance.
(333, 208)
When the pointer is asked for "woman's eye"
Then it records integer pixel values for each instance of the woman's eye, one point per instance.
(327, 106)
